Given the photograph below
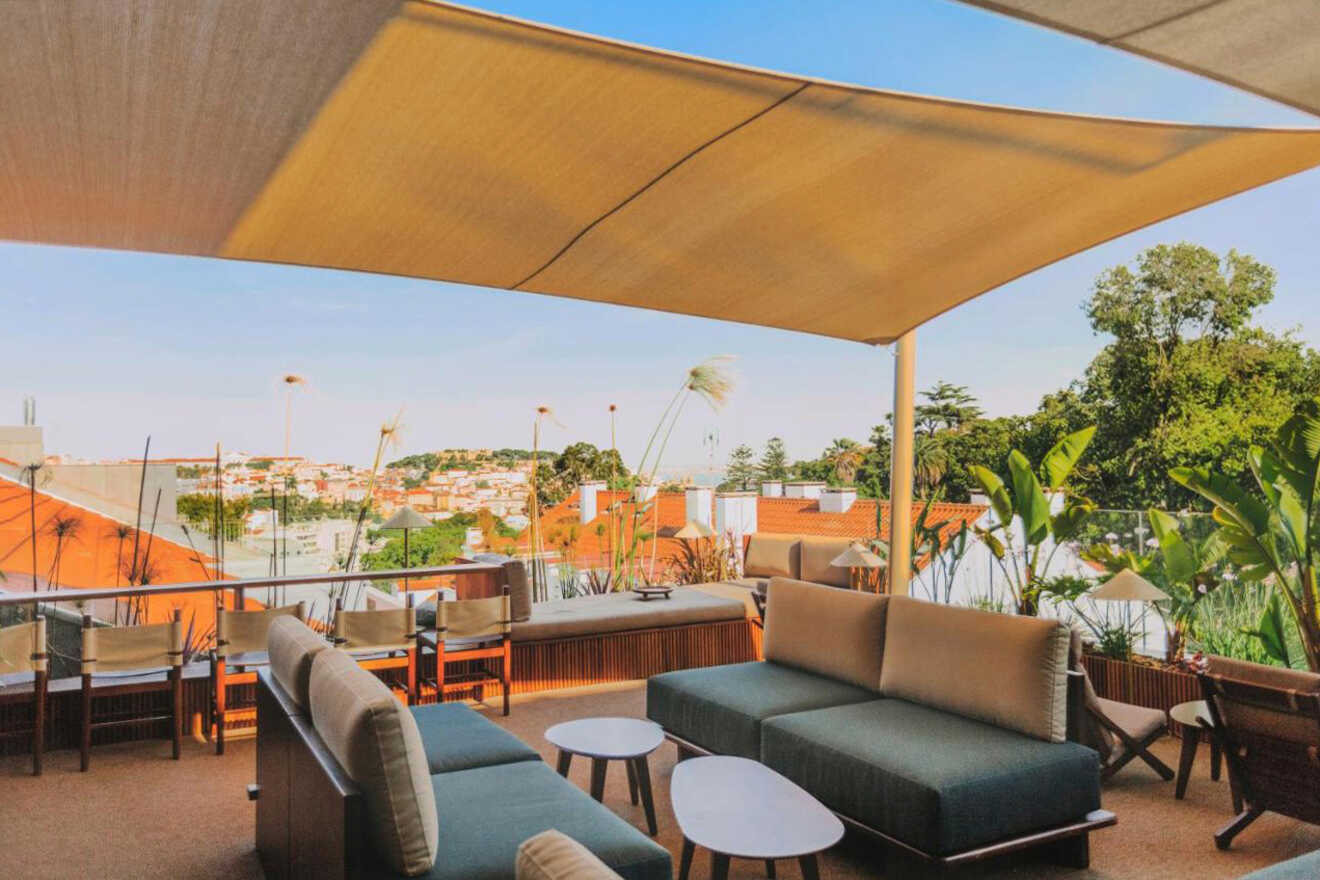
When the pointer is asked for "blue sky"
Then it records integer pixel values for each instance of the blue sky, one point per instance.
(115, 346)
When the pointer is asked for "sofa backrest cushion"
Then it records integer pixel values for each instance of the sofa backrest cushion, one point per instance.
(832, 632)
(553, 855)
(1007, 670)
(771, 556)
(817, 554)
(375, 739)
(292, 645)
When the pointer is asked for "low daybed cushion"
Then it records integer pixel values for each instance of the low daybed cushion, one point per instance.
(835, 633)
(292, 645)
(720, 708)
(457, 738)
(1008, 670)
(936, 781)
(623, 612)
(772, 556)
(552, 855)
(486, 813)
(817, 553)
(375, 739)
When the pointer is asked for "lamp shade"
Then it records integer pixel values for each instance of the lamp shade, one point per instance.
(857, 556)
(693, 529)
(1128, 586)
(407, 518)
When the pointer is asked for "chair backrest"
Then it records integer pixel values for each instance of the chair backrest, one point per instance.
(239, 632)
(23, 647)
(385, 629)
(1271, 738)
(1083, 720)
(125, 648)
(473, 618)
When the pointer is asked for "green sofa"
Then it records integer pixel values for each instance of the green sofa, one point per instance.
(491, 791)
(1305, 867)
(940, 729)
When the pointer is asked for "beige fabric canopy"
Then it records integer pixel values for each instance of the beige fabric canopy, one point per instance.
(432, 141)
(1270, 47)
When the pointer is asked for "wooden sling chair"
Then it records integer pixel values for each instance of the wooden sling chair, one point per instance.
(122, 660)
(240, 646)
(1119, 732)
(381, 639)
(473, 631)
(23, 654)
(1270, 738)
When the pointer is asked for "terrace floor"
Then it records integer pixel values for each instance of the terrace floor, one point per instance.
(137, 814)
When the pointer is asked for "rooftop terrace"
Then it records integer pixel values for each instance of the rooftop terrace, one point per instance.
(138, 814)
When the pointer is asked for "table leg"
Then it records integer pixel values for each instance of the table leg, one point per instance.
(598, 767)
(685, 862)
(565, 760)
(770, 868)
(632, 781)
(810, 870)
(642, 773)
(719, 866)
(1190, 738)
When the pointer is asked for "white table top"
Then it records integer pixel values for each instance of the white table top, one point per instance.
(614, 738)
(744, 809)
(1192, 713)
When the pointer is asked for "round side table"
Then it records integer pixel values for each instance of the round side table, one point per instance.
(611, 739)
(1194, 716)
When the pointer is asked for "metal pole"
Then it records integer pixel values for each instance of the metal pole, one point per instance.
(900, 470)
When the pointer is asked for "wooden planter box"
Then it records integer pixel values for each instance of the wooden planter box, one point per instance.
(1141, 685)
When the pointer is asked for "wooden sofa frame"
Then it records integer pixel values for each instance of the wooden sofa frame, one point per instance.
(1070, 844)
(311, 817)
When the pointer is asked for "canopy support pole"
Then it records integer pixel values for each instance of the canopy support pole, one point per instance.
(900, 468)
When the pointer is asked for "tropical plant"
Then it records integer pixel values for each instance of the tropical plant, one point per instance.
(844, 458)
(387, 436)
(944, 550)
(704, 560)
(1277, 536)
(64, 528)
(1189, 572)
(1026, 535)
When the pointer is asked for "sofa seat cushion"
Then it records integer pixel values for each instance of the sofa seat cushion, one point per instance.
(936, 781)
(720, 708)
(1306, 867)
(1137, 722)
(623, 612)
(487, 812)
(457, 738)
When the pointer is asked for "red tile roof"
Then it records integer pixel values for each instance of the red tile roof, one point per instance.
(588, 544)
(94, 557)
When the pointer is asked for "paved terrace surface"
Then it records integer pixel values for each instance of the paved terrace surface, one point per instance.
(137, 814)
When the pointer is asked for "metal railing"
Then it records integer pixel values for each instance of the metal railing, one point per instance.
(242, 585)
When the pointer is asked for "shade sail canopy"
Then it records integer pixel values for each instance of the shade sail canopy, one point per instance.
(1270, 47)
(437, 142)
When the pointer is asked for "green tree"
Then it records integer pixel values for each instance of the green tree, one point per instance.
(1188, 380)
(873, 474)
(578, 463)
(774, 460)
(740, 474)
(947, 408)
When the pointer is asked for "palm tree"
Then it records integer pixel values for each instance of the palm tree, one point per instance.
(845, 457)
(930, 462)
(64, 528)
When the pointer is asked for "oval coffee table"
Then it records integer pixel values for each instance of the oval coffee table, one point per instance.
(611, 739)
(738, 808)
